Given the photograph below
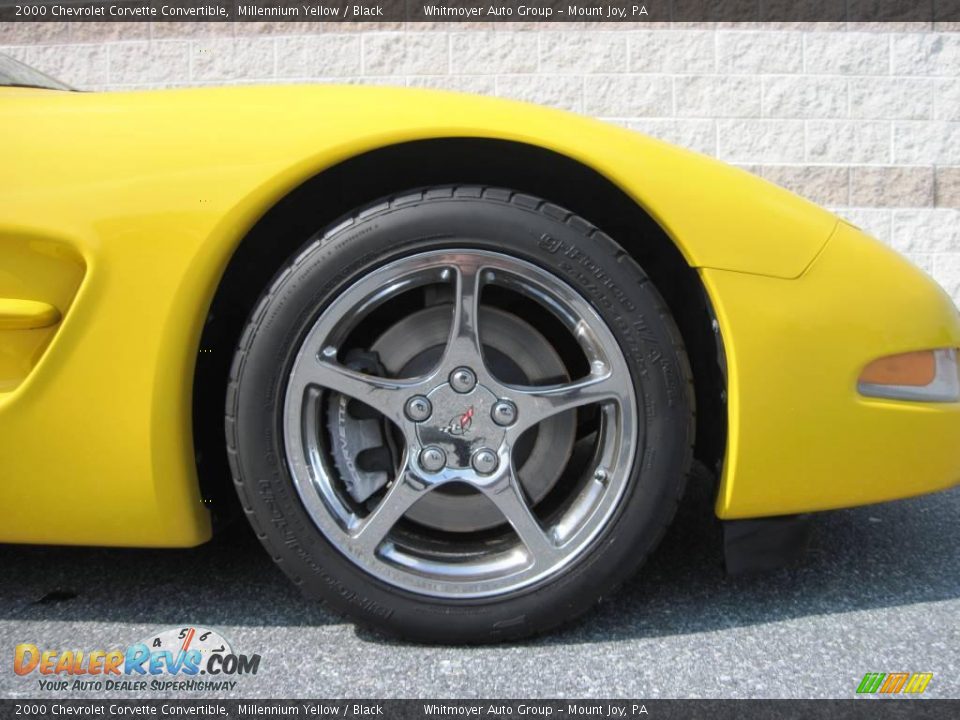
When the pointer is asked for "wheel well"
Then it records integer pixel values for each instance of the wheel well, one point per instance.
(338, 190)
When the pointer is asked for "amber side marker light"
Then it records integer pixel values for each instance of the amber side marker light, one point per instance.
(926, 376)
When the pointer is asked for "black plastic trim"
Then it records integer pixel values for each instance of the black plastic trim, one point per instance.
(762, 544)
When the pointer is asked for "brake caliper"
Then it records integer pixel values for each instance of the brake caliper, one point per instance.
(359, 440)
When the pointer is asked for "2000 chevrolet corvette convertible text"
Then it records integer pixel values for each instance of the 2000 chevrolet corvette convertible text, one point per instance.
(456, 355)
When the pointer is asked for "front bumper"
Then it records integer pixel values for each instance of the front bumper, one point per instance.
(801, 438)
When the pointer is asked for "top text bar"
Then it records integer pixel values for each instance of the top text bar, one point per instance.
(635, 11)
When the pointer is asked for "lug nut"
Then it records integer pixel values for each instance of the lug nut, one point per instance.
(485, 461)
(463, 380)
(432, 458)
(418, 408)
(504, 413)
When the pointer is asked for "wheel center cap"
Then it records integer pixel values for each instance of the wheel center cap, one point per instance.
(460, 423)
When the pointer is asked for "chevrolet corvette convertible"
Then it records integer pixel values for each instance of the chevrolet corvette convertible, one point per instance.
(452, 357)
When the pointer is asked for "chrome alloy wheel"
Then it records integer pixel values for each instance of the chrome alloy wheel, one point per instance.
(459, 425)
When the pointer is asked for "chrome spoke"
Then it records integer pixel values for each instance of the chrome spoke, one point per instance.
(385, 395)
(463, 345)
(368, 534)
(536, 404)
(508, 496)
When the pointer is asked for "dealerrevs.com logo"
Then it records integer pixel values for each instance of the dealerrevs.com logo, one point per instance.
(180, 659)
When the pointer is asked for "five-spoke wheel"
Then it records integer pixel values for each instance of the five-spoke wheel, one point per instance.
(460, 423)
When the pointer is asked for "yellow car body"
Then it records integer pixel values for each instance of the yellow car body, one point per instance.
(120, 211)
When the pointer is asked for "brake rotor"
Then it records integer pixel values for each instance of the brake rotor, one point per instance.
(516, 353)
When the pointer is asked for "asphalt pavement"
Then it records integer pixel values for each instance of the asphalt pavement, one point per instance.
(878, 591)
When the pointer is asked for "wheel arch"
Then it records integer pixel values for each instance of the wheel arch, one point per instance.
(364, 178)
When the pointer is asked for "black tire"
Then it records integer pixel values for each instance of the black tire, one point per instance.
(522, 226)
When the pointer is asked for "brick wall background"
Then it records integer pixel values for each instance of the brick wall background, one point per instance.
(864, 119)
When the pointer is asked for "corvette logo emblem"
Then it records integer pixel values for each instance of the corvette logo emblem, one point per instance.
(460, 424)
